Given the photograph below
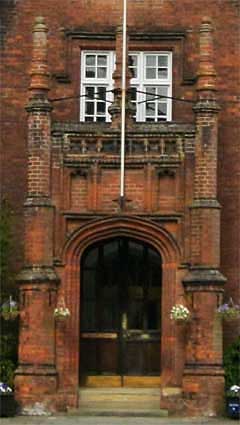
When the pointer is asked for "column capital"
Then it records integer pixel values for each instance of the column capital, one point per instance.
(206, 74)
(39, 70)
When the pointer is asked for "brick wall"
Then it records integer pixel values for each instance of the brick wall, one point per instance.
(148, 16)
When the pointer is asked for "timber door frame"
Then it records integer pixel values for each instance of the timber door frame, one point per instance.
(120, 309)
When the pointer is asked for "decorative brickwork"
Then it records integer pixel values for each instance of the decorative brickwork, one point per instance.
(179, 177)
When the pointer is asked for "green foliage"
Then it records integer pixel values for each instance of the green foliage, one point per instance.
(7, 368)
(6, 245)
(9, 329)
(231, 363)
(8, 351)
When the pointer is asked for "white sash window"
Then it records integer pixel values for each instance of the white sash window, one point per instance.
(151, 84)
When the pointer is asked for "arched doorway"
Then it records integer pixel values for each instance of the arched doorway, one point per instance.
(120, 319)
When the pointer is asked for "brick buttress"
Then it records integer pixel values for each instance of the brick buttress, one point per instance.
(203, 379)
(36, 377)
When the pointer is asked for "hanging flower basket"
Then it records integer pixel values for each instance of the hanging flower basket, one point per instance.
(180, 314)
(61, 312)
(9, 310)
(229, 311)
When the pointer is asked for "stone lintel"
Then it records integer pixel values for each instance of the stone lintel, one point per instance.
(38, 275)
(36, 369)
(203, 369)
(206, 105)
(201, 278)
(38, 104)
(206, 203)
(38, 201)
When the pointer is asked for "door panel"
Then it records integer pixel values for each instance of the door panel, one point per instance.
(120, 309)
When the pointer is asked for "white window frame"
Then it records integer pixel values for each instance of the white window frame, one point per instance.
(140, 82)
(94, 82)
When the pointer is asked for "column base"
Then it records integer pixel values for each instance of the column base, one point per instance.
(36, 389)
(203, 390)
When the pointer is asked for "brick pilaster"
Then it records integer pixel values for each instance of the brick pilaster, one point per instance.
(36, 377)
(203, 380)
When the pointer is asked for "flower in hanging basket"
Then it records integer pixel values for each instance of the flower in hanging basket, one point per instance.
(229, 311)
(61, 313)
(4, 388)
(180, 313)
(9, 310)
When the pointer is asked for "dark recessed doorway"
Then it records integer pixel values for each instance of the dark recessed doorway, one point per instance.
(120, 310)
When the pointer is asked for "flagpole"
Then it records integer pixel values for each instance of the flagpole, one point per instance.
(123, 109)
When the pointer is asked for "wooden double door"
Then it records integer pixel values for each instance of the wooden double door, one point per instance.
(120, 310)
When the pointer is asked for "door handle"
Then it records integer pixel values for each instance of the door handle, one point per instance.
(124, 322)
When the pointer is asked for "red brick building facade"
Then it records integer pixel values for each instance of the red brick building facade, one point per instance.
(173, 238)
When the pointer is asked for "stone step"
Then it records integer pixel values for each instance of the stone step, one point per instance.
(155, 413)
(121, 404)
(119, 398)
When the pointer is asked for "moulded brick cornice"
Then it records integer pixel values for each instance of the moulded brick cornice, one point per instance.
(94, 129)
(152, 217)
(78, 33)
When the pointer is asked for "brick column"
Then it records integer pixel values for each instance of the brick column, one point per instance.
(203, 380)
(115, 108)
(35, 379)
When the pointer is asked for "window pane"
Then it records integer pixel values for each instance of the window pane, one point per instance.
(90, 72)
(151, 60)
(163, 61)
(150, 108)
(90, 60)
(162, 109)
(151, 92)
(102, 119)
(151, 73)
(101, 93)
(91, 258)
(89, 108)
(89, 92)
(133, 72)
(88, 119)
(132, 64)
(89, 285)
(102, 60)
(133, 60)
(133, 94)
(101, 108)
(162, 73)
(102, 72)
(163, 90)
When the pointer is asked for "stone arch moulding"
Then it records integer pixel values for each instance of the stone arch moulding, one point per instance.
(100, 229)
(137, 228)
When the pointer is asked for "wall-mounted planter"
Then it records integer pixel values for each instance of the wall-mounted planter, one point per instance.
(8, 405)
(233, 407)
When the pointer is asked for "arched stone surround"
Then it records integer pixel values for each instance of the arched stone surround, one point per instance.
(67, 335)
